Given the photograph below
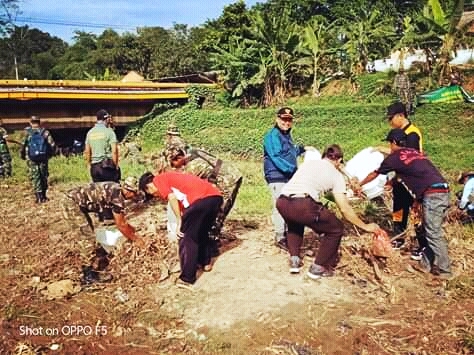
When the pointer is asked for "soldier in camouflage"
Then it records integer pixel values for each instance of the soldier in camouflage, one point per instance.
(179, 155)
(104, 197)
(226, 177)
(174, 144)
(5, 157)
(38, 171)
(401, 85)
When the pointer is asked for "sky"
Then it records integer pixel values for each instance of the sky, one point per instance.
(62, 17)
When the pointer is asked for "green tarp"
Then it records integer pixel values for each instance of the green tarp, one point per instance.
(454, 93)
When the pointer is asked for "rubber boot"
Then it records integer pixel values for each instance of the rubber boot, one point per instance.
(43, 197)
(39, 197)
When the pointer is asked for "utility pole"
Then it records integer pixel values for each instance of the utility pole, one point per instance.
(16, 66)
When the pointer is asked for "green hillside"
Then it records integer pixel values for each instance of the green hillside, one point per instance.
(447, 128)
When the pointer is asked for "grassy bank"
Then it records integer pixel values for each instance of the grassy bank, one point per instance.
(236, 134)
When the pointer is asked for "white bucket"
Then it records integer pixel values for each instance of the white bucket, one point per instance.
(312, 154)
(171, 224)
(108, 237)
(361, 165)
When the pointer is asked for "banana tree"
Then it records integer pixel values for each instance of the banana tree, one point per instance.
(277, 40)
(314, 46)
(444, 23)
(238, 66)
(363, 30)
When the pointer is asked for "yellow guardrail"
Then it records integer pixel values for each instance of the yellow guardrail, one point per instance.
(95, 84)
(31, 94)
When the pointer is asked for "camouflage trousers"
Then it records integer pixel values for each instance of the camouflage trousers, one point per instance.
(38, 175)
(406, 98)
(5, 164)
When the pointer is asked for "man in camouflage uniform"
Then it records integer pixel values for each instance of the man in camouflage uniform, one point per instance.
(38, 171)
(174, 144)
(5, 157)
(402, 88)
(100, 198)
(108, 197)
(226, 177)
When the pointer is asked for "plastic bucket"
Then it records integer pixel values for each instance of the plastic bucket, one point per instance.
(171, 224)
(361, 165)
(108, 237)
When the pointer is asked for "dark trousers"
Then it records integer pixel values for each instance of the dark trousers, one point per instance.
(194, 247)
(100, 174)
(402, 201)
(301, 212)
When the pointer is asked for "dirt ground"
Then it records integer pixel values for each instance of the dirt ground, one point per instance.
(248, 303)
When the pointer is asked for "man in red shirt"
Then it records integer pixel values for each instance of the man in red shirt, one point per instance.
(195, 202)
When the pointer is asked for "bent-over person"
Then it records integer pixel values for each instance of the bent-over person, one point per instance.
(300, 205)
(430, 189)
(195, 203)
(108, 198)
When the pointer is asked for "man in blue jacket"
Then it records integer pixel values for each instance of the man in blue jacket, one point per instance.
(279, 165)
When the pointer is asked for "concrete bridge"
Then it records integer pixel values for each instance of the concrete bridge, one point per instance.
(74, 103)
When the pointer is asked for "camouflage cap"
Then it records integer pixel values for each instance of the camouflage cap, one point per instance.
(174, 151)
(131, 184)
(173, 130)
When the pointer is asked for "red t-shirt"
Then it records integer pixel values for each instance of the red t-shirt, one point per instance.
(186, 187)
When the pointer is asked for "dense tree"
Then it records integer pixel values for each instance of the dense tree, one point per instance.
(263, 52)
(34, 51)
(364, 29)
(9, 9)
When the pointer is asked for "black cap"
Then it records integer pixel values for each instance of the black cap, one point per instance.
(396, 135)
(102, 115)
(396, 108)
(285, 112)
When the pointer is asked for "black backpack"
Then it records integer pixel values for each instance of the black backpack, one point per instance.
(37, 146)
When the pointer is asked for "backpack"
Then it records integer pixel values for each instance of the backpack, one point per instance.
(37, 146)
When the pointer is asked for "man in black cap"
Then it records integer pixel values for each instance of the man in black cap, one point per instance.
(430, 189)
(38, 147)
(279, 164)
(101, 150)
(402, 200)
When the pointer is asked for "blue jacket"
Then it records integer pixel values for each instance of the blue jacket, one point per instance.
(279, 155)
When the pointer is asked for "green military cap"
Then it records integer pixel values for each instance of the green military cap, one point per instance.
(173, 130)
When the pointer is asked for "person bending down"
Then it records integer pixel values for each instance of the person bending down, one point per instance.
(300, 206)
(195, 202)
